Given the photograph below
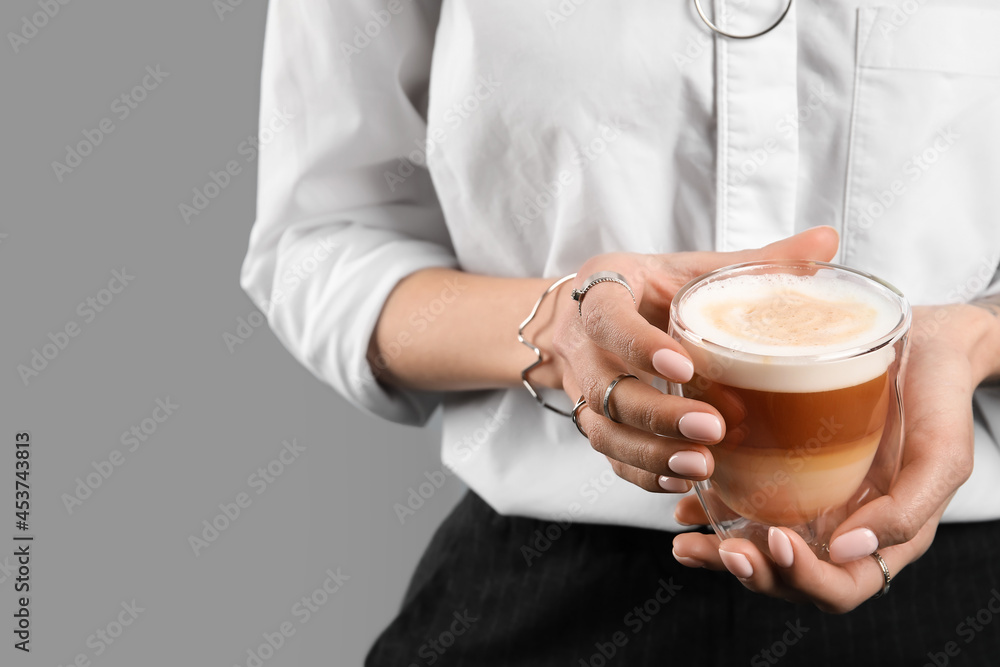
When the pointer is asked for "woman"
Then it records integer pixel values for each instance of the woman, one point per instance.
(452, 161)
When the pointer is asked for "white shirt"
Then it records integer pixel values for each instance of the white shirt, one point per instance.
(520, 138)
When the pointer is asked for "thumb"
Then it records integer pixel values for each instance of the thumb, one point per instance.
(937, 459)
(816, 243)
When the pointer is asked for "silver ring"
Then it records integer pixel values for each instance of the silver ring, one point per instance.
(885, 574)
(597, 278)
(576, 422)
(607, 395)
(717, 30)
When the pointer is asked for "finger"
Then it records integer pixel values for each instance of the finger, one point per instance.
(818, 244)
(690, 512)
(754, 570)
(643, 450)
(698, 550)
(636, 403)
(648, 480)
(737, 556)
(611, 321)
(936, 462)
(834, 588)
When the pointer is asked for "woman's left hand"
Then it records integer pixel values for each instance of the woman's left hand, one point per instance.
(944, 366)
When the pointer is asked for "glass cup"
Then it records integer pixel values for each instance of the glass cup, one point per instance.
(810, 396)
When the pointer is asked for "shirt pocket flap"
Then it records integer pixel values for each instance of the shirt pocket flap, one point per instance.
(957, 40)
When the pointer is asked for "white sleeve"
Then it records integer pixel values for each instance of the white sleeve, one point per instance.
(340, 106)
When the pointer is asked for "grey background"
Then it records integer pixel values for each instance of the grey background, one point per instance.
(162, 336)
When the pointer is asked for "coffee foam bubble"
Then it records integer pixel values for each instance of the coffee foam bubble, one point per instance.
(781, 316)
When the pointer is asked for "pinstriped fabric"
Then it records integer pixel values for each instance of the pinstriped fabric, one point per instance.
(511, 591)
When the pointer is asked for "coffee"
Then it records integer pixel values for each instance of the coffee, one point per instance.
(804, 414)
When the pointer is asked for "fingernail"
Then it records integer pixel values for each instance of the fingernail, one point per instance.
(737, 563)
(690, 464)
(687, 560)
(780, 546)
(853, 545)
(673, 485)
(673, 365)
(700, 426)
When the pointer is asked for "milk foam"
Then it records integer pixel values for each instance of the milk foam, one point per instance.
(780, 316)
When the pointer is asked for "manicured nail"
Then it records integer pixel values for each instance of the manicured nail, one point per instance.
(700, 426)
(737, 563)
(672, 365)
(853, 545)
(690, 464)
(687, 560)
(780, 546)
(673, 485)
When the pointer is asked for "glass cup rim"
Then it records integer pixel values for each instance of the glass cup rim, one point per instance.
(902, 326)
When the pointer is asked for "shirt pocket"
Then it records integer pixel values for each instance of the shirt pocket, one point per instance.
(922, 203)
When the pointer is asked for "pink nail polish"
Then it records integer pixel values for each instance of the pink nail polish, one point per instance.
(690, 464)
(780, 546)
(672, 365)
(853, 545)
(673, 485)
(700, 426)
(687, 560)
(737, 563)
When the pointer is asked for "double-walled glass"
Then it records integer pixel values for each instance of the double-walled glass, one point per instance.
(809, 437)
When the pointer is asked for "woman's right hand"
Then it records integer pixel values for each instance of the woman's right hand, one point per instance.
(661, 442)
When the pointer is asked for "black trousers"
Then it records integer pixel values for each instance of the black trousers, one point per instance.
(497, 590)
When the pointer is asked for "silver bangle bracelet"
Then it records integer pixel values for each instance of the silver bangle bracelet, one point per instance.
(538, 353)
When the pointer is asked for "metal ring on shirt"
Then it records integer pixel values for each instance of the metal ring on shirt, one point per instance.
(717, 30)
